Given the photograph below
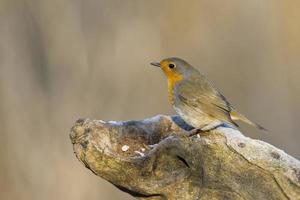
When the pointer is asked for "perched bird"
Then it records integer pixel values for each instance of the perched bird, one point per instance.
(195, 99)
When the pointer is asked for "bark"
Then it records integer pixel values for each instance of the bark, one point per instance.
(154, 159)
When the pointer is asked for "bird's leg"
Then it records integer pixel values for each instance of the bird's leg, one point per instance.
(196, 131)
(199, 131)
(202, 132)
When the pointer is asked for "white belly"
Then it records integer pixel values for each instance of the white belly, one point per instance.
(197, 118)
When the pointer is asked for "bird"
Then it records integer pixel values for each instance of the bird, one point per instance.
(196, 100)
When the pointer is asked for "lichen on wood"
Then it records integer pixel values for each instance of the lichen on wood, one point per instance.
(154, 159)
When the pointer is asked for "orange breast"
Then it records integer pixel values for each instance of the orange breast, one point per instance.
(172, 81)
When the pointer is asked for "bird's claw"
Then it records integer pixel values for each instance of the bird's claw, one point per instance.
(198, 131)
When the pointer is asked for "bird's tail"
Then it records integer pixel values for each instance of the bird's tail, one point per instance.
(238, 116)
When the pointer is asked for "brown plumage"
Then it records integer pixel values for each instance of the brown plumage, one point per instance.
(195, 99)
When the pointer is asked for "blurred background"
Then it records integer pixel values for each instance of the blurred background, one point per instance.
(61, 60)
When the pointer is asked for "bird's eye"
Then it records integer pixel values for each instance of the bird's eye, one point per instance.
(171, 66)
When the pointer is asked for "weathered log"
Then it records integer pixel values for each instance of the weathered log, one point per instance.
(153, 159)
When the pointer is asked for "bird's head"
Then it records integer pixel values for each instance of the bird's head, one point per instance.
(175, 68)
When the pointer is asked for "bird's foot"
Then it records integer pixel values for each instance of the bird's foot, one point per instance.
(188, 134)
(199, 132)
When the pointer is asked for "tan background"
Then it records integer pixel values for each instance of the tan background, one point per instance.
(62, 59)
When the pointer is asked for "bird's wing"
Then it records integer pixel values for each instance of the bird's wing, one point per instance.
(200, 94)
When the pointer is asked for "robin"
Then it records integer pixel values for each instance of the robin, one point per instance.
(195, 99)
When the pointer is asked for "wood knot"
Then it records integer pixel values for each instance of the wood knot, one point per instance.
(87, 130)
(80, 121)
(297, 173)
(241, 144)
(84, 144)
(275, 155)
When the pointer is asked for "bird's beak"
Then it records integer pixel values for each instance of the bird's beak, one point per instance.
(156, 64)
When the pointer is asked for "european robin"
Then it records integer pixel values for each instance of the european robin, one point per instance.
(195, 99)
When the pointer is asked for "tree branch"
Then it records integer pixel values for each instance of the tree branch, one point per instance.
(153, 159)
